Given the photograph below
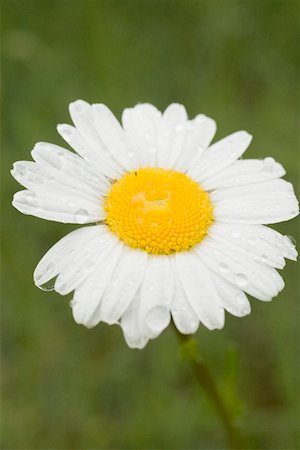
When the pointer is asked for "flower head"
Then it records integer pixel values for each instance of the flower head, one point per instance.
(178, 224)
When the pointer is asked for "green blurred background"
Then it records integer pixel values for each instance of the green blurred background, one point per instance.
(65, 387)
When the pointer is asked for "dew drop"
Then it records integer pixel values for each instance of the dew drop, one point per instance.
(131, 154)
(49, 285)
(241, 280)
(264, 258)
(82, 216)
(157, 318)
(223, 267)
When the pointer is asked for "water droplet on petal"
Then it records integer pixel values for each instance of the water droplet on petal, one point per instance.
(82, 216)
(264, 258)
(158, 318)
(241, 280)
(223, 267)
(49, 285)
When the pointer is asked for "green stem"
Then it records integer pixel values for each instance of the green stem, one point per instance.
(190, 351)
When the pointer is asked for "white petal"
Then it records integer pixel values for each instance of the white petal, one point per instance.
(243, 172)
(86, 305)
(200, 289)
(126, 280)
(156, 296)
(172, 135)
(220, 155)
(97, 158)
(95, 149)
(82, 260)
(199, 133)
(59, 170)
(142, 125)
(234, 300)
(130, 324)
(269, 202)
(184, 316)
(60, 256)
(63, 208)
(246, 239)
(149, 313)
(258, 280)
(112, 134)
(283, 243)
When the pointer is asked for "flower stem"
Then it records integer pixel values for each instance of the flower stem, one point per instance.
(190, 351)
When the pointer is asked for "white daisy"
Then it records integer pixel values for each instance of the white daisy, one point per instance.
(179, 224)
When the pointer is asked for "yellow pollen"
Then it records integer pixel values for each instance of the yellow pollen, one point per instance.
(159, 211)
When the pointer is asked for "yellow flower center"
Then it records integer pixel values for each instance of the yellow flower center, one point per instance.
(157, 210)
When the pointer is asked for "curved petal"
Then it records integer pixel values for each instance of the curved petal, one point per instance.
(142, 125)
(220, 155)
(89, 139)
(113, 135)
(244, 172)
(172, 135)
(59, 169)
(126, 280)
(185, 318)
(200, 289)
(130, 324)
(258, 280)
(263, 203)
(283, 243)
(156, 296)
(149, 313)
(59, 207)
(199, 133)
(234, 300)
(246, 239)
(96, 157)
(62, 255)
(86, 304)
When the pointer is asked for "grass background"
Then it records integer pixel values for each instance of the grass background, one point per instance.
(65, 387)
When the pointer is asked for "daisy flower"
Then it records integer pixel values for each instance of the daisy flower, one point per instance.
(178, 224)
